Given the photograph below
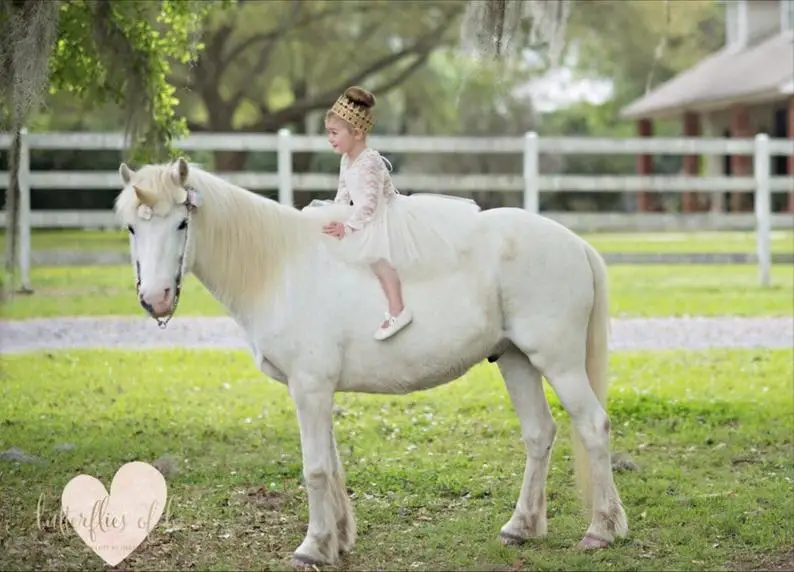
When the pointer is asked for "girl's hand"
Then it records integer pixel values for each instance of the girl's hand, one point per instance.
(335, 229)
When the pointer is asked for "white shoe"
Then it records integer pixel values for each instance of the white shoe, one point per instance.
(394, 324)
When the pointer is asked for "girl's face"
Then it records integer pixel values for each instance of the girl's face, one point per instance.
(341, 136)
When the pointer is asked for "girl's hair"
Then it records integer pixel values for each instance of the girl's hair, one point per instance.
(362, 100)
(360, 96)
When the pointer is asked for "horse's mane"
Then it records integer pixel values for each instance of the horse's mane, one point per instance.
(244, 238)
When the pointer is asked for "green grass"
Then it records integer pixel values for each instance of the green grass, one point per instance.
(675, 242)
(686, 242)
(70, 239)
(636, 290)
(433, 474)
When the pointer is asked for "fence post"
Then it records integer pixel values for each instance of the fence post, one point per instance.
(284, 167)
(24, 212)
(531, 182)
(763, 208)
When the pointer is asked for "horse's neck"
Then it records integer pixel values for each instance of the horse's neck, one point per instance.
(243, 248)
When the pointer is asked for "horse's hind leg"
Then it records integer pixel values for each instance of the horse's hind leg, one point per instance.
(570, 381)
(525, 387)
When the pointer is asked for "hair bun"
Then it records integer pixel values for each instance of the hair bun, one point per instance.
(360, 96)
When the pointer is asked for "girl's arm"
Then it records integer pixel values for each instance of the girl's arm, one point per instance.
(373, 174)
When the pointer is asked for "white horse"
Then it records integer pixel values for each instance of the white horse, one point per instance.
(529, 294)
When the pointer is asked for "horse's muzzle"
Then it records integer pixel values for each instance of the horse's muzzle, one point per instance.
(158, 305)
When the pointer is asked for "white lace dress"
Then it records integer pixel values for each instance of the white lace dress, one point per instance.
(417, 233)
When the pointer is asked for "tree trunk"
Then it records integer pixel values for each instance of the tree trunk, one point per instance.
(229, 161)
(12, 210)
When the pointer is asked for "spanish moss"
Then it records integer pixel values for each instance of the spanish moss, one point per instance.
(492, 28)
(27, 33)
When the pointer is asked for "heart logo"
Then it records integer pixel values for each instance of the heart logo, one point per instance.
(113, 525)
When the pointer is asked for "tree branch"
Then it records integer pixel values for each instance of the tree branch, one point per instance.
(206, 78)
(193, 126)
(289, 26)
(286, 24)
(270, 38)
(421, 48)
(423, 45)
(403, 75)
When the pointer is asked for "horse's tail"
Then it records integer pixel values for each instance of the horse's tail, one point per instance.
(596, 364)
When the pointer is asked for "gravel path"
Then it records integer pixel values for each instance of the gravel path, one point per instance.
(195, 332)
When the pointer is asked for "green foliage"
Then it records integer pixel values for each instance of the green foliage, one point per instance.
(637, 46)
(121, 51)
(642, 44)
(270, 64)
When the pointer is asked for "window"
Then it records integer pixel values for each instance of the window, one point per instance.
(786, 15)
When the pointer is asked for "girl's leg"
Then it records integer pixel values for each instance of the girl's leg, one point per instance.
(392, 288)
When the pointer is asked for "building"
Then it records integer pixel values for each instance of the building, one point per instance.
(747, 87)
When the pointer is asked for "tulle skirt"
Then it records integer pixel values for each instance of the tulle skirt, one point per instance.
(418, 235)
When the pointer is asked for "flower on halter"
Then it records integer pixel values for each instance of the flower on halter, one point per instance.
(194, 197)
(145, 212)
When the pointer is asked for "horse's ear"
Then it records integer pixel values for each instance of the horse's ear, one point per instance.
(126, 173)
(179, 171)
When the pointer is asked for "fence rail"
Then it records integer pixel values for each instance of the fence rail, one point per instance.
(530, 183)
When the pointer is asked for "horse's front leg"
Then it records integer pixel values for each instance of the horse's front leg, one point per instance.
(314, 403)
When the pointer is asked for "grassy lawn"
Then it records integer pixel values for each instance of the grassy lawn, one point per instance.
(677, 242)
(683, 242)
(433, 475)
(636, 290)
(69, 239)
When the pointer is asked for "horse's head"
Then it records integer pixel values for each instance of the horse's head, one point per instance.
(155, 205)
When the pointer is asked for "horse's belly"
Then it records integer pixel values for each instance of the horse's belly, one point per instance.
(400, 378)
(421, 356)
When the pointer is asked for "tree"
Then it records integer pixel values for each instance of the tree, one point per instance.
(500, 28)
(642, 44)
(100, 50)
(637, 46)
(259, 78)
(458, 96)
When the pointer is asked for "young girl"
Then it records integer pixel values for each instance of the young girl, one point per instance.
(390, 232)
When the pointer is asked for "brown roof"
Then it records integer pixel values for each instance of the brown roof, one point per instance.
(757, 73)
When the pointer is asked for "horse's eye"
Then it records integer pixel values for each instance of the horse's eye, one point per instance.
(183, 224)
(129, 228)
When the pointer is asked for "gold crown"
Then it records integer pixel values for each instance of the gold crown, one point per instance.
(354, 114)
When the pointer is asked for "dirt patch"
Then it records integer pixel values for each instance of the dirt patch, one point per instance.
(265, 498)
(774, 562)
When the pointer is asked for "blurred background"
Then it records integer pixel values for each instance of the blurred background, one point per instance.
(451, 68)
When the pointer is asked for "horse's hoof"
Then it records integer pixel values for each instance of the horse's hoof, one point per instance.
(301, 562)
(511, 539)
(590, 542)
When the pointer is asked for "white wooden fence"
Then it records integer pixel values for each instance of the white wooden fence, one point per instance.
(530, 183)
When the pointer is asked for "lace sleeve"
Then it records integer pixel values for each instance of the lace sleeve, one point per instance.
(371, 171)
(342, 193)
